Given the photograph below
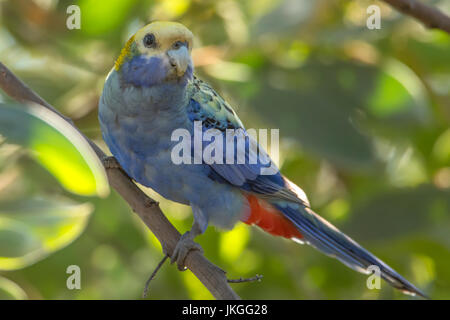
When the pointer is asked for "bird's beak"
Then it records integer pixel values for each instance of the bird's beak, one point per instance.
(179, 59)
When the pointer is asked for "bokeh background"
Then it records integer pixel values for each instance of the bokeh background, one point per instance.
(364, 124)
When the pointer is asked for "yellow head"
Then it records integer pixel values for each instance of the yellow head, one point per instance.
(158, 50)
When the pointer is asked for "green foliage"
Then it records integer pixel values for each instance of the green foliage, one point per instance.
(34, 228)
(32, 224)
(10, 291)
(364, 119)
(56, 146)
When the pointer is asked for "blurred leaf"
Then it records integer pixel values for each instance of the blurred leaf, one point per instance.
(10, 290)
(397, 213)
(289, 14)
(57, 146)
(101, 17)
(233, 242)
(311, 104)
(389, 97)
(34, 228)
(441, 149)
(431, 55)
(196, 289)
(398, 92)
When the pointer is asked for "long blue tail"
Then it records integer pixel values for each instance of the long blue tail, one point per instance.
(327, 238)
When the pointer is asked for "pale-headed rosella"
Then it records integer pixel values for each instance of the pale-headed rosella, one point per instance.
(151, 92)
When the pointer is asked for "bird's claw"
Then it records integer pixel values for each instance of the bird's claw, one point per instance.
(184, 245)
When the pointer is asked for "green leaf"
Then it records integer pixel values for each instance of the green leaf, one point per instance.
(103, 16)
(57, 146)
(315, 106)
(34, 228)
(285, 17)
(10, 290)
(398, 213)
(398, 91)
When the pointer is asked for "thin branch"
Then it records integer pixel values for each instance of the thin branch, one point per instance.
(430, 16)
(212, 277)
(258, 278)
(147, 284)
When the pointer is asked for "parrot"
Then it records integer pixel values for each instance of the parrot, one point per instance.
(152, 91)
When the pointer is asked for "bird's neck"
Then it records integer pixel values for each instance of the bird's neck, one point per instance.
(166, 98)
(169, 97)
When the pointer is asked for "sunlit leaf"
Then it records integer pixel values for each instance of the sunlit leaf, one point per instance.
(57, 146)
(432, 55)
(103, 16)
(423, 269)
(9, 290)
(195, 288)
(171, 9)
(398, 90)
(34, 228)
(233, 242)
(441, 149)
(390, 96)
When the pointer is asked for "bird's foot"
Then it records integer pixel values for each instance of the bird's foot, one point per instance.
(184, 245)
(110, 163)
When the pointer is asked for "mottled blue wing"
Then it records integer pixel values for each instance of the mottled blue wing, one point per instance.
(214, 112)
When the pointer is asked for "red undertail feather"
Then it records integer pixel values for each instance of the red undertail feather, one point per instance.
(265, 216)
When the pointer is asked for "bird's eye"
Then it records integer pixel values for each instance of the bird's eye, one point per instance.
(149, 40)
(179, 44)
